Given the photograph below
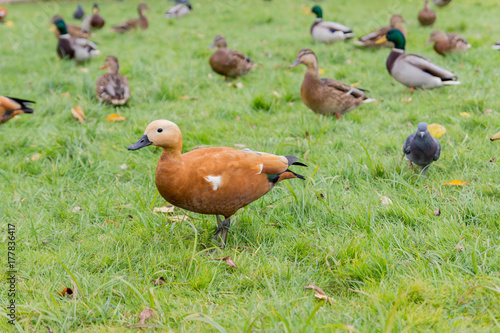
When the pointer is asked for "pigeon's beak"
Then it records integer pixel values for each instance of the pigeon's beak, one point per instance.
(381, 40)
(295, 63)
(422, 134)
(143, 142)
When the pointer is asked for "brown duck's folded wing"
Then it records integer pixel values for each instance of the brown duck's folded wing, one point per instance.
(239, 56)
(373, 36)
(427, 66)
(344, 87)
(127, 25)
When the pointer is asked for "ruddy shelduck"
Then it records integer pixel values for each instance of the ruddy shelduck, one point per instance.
(214, 181)
(11, 107)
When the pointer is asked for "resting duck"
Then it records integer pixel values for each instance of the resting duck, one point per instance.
(412, 70)
(447, 43)
(372, 38)
(3, 14)
(69, 47)
(94, 21)
(496, 46)
(73, 30)
(142, 22)
(426, 16)
(78, 14)
(421, 148)
(441, 3)
(178, 10)
(228, 63)
(327, 32)
(326, 96)
(214, 181)
(112, 88)
(11, 107)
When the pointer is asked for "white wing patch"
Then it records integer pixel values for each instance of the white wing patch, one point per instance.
(261, 168)
(215, 180)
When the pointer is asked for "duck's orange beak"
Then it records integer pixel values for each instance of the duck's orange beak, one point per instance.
(104, 66)
(143, 142)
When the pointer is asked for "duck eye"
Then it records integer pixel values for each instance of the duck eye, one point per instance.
(160, 130)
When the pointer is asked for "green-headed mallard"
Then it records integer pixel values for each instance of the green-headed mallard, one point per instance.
(371, 39)
(141, 22)
(94, 21)
(441, 3)
(446, 43)
(69, 47)
(327, 32)
(73, 30)
(427, 16)
(11, 107)
(178, 10)
(112, 88)
(326, 96)
(229, 63)
(412, 70)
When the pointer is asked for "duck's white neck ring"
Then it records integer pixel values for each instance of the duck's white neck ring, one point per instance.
(398, 50)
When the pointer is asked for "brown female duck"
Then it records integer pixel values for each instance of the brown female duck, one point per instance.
(447, 43)
(112, 88)
(426, 16)
(141, 22)
(228, 63)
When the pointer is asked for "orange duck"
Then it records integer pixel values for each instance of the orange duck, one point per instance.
(214, 181)
(11, 107)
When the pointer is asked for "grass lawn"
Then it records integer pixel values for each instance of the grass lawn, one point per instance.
(394, 267)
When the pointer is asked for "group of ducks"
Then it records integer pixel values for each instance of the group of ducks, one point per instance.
(219, 181)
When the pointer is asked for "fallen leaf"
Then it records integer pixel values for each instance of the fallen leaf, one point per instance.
(77, 112)
(459, 247)
(76, 209)
(307, 135)
(437, 212)
(164, 209)
(67, 292)
(319, 293)
(114, 118)
(9, 23)
(210, 75)
(385, 201)
(347, 187)
(436, 130)
(36, 157)
(178, 218)
(275, 93)
(465, 114)
(488, 111)
(184, 97)
(321, 71)
(238, 85)
(109, 221)
(455, 183)
(495, 137)
(228, 261)
(238, 118)
(348, 61)
(159, 281)
(407, 100)
(123, 166)
(84, 70)
(65, 94)
(145, 315)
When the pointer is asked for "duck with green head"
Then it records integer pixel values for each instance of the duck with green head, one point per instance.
(327, 32)
(412, 70)
(69, 47)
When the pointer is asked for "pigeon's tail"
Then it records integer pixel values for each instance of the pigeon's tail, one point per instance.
(451, 83)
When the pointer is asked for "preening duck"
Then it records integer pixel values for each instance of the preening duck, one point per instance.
(213, 181)
(372, 39)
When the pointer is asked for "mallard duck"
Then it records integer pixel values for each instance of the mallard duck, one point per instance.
(141, 22)
(441, 3)
(427, 16)
(327, 32)
(412, 70)
(94, 21)
(326, 96)
(69, 47)
(496, 46)
(73, 30)
(112, 88)
(446, 43)
(372, 38)
(421, 148)
(79, 13)
(178, 10)
(228, 63)
(214, 181)
(3, 14)
(11, 107)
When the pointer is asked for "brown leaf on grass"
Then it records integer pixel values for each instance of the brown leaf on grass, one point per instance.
(36, 157)
(455, 183)
(238, 118)
(307, 135)
(436, 130)
(78, 114)
(112, 118)
(145, 315)
(459, 247)
(228, 261)
(407, 100)
(76, 209)
(67, 292)
(178, 218)
(238, 85)
(65, 94)
(488, 111)
(437, 212)
(319, 293)
(159, 281)
(164, 209)
(347, 187)
(109, 221)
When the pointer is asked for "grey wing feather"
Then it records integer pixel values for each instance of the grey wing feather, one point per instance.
(334, 26)
(427, 66)
(344, 87)
(377, 33)
(438, 151)
(82, 42)
(406, 146)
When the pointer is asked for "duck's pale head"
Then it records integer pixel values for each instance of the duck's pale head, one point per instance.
(306, 57)
(161, 133)
(111, 63)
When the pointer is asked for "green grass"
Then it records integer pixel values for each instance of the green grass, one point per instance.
(389, 268)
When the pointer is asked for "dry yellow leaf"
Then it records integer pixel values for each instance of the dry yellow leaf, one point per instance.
(178, 218)
(184, 97)
(9, 23)
(65, 94)
(321, 71)
(114, 118)
(36, 157)
(275, 93)
(319, 293)
(465, 114)
(355, 84)
(77, 112)
(436, 130)
(455, 183)
(84, 70)
(164, 209)
(495, 137)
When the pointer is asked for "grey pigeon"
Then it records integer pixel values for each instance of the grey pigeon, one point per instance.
(78, 14)
(421, 148)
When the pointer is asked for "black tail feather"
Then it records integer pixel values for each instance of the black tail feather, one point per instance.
(293, 160)
(24, 104)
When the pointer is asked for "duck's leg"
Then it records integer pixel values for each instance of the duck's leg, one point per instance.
(412, 89)
(222, 230)
(338, 116)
